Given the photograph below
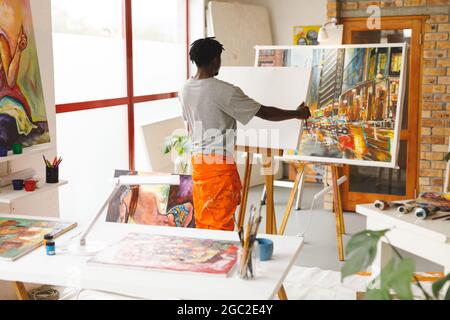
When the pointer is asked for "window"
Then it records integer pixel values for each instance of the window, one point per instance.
(118, 66)
(89, 50)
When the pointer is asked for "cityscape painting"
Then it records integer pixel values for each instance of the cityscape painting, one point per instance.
(356, 97)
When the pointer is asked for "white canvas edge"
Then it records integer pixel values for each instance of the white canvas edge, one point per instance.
(393, 163)
(337, 46)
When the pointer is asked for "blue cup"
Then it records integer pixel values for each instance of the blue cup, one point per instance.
(3, 151)
(18, 184)
(265, 249)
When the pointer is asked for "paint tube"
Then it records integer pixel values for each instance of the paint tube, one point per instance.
(405, 209)
(424, 212)
(385, 205)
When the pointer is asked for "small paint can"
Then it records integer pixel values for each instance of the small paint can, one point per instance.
(3, 151)
(17, 148)
(30, 185)
(50, 247)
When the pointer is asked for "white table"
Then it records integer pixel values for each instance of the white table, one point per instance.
(67, 270)
(428, 239)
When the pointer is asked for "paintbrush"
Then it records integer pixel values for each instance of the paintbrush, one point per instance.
(256, 221)
(247, 239)
(245, 246)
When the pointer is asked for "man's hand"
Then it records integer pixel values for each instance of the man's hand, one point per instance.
(303, 112)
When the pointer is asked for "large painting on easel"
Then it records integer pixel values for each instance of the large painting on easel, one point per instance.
(23, 116)
(356, 97)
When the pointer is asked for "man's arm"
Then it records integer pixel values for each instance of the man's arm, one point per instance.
(276, 114)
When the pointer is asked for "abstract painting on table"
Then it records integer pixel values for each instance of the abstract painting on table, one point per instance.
(23, 117)
(170, 253)
(356, 96)
(21, 236)
(157, 205)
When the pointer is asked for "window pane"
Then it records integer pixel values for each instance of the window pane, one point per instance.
(89, 50)
(150, 113)
(93, 144)
(159, 46)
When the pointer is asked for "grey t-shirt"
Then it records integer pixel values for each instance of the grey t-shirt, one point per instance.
(212, 108)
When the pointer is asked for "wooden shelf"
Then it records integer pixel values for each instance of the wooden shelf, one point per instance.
(8, 195)
(26, 152)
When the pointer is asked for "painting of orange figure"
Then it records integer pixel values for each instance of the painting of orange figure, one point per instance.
(23, 117)
(158, 205)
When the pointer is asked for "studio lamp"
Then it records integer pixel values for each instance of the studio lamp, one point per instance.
(323, 33)
(81, 246)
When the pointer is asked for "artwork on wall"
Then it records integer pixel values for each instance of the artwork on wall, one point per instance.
(21, 236)
(159, 205)
(23, 117)
(306, 35)
(169, 253)
(356, 95)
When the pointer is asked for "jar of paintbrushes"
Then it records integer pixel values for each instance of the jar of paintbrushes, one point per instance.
(248, 252)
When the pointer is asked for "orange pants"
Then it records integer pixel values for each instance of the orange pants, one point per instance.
(217, 191)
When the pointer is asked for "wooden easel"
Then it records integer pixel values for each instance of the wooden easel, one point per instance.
(268, 158)
(337, 203)
(271, 225)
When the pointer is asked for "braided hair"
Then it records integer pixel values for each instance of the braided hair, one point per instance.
(203, 51)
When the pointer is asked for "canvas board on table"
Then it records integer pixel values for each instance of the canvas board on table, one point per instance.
(356, 95)
(170, 253)
(20, 236)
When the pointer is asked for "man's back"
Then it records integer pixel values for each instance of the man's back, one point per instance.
(212, 107)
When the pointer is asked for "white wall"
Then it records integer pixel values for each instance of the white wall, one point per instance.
(285, 14)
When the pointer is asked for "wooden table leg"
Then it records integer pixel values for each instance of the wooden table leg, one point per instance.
(245, 189)
(269, 179)
(338, 212)
(21, 292)
(282, 294)
(287, 213)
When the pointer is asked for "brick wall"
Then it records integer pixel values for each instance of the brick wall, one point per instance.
(435, 115)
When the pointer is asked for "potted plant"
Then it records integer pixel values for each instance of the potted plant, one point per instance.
(394, 281)
(180, 146)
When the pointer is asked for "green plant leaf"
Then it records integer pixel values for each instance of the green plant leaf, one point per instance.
(397, 275)
(447, 157)
(361, 251)
(438, 285)
(377, 294)
(168, 145)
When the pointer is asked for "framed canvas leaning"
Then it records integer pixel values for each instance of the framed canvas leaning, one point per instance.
(356, 95)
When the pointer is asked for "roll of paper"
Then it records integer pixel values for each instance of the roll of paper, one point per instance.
(19, 175)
